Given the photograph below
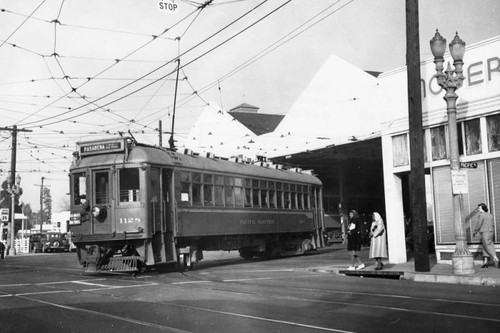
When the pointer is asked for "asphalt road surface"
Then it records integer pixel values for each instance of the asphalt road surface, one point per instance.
(50, 293)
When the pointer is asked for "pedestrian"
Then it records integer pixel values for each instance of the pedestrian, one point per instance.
(485, 227)
(2, 250)
(354, 240)
(378, 244)
(365, 231)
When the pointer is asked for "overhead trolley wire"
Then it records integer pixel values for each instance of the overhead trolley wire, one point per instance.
(154, 37)
(27, 125)
(22, 23)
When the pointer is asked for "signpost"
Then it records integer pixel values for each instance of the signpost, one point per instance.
(5, 214)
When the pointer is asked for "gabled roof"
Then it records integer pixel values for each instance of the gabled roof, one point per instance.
(258, 123)
(340, 105)
(244, 106)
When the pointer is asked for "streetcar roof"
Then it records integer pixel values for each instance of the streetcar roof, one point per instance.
(139, 154)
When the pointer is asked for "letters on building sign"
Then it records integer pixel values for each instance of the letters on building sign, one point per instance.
(475, 73)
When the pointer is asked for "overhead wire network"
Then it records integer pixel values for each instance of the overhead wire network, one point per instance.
(59, 118)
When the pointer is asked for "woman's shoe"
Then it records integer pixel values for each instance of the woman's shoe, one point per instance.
(485, 265)
(378, 268)
(360, 267)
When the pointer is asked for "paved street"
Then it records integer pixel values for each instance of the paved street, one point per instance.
(49, 293)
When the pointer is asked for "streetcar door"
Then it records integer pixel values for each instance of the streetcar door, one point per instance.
(168, 215)
(101, 202)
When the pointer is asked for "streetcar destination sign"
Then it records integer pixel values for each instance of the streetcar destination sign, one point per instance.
(468, 165)
(108, 146)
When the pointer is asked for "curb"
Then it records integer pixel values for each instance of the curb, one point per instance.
(419, 277)
(452, 279)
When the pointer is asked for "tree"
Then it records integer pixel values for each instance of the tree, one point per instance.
(47, 203)
(28, 212)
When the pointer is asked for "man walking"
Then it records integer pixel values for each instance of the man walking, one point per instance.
(485, 227)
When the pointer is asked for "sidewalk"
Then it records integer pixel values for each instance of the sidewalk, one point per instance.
(439, 273)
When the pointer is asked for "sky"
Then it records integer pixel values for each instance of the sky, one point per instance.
(72, 71)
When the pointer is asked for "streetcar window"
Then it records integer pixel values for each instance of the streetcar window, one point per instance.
(279, 198)
(185, 197)
(293, 200)
(229, 191)
(129, 185)
(101, 187)
(255, 193)
(287, 199)
(263, 194)
(79, 188)
(307, 203)
(196, 189)
(238, 192)
(248, 197)
(219, 190)
(208, 188)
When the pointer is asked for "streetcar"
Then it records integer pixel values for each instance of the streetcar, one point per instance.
(135, 206)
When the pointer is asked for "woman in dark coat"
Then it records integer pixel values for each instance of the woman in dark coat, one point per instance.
(354, 239)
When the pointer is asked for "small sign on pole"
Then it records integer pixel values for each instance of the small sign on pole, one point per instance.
(468, 165)
(460, 182)
(5, 214)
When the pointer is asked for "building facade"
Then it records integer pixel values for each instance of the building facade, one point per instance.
(478, 125)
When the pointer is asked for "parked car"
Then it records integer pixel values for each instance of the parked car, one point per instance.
(36, 242)
(56, 241)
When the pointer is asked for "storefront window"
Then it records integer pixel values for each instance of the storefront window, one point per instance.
(438, 140)
(400, 150)
(493, 128)
(472, 137)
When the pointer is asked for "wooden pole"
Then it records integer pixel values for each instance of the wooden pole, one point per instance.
(417, 173)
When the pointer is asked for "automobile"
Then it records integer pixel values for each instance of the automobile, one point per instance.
(36, 240)
(56, 241)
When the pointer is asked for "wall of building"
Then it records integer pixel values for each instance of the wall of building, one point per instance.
(478, 118)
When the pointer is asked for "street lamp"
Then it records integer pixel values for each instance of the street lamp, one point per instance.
(13, 189)
(450, 81)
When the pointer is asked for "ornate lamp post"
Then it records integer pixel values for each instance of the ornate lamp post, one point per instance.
(450, 81)
(13, 189)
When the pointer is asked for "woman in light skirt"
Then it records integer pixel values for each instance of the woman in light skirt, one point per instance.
(378, 245)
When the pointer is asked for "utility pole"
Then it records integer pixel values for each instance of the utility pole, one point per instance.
(12, 182)
(41, 203)
(417, 167)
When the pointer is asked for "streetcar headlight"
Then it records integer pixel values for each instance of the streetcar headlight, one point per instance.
(99, 213)
(96, 211)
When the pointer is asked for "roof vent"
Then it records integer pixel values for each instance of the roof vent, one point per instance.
(210, 155)
(188, 151)
(298, 170)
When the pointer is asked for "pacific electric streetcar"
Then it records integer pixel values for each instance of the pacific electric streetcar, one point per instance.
(134, 206)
